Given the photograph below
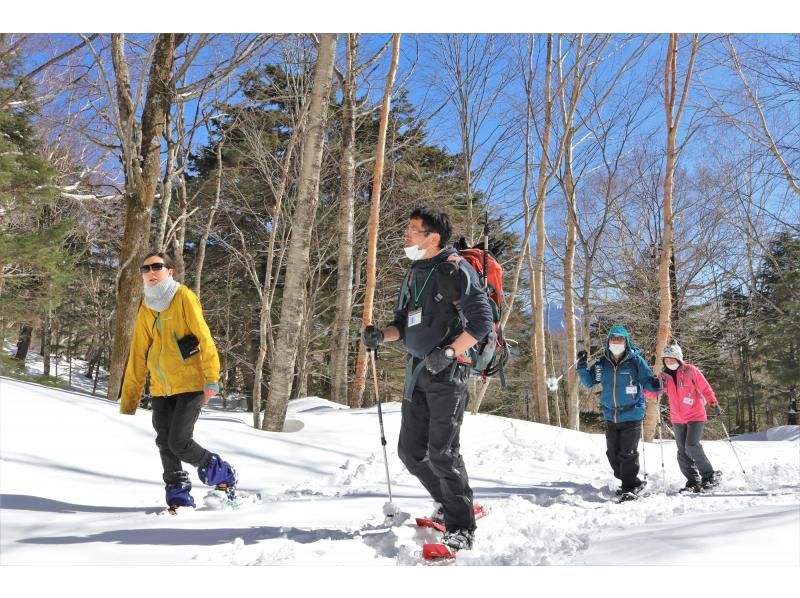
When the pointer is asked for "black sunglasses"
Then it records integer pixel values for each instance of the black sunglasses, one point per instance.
(154, 267)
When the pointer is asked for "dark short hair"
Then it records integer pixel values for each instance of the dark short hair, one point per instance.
(435, 221)
(167, 260)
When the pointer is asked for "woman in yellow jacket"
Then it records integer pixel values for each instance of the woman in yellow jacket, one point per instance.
(172, 343)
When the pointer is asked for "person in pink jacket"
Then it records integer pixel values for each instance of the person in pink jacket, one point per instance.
(689, 392)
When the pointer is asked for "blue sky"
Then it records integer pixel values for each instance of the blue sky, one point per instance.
(424, 82)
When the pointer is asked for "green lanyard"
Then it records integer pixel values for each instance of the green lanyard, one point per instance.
(417, 295)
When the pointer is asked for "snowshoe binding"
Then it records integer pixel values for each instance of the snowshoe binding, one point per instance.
(436, 520)
(691, 487)
(710, 482)
(452, 542)
(633, 494)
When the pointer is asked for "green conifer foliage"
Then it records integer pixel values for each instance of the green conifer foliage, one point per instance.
(33, 264)
(778, 308)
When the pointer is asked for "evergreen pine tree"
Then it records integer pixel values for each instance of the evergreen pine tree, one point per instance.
(33, 264)
(777, 305)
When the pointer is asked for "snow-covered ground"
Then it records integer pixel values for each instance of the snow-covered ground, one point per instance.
(81, 485)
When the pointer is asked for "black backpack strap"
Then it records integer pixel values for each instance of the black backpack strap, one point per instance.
(405, 292)
(412, 373)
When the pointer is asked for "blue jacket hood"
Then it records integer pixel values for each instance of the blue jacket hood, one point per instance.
(618, 330)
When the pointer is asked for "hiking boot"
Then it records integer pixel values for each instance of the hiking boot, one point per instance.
(711, 481)
(633, 490)
(459, 539)
(691, 487)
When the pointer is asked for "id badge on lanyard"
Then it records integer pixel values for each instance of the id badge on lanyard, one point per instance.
(415, 315)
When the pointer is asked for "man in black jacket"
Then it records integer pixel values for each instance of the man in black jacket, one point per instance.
(441, 313)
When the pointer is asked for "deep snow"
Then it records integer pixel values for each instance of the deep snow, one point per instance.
(81, 485)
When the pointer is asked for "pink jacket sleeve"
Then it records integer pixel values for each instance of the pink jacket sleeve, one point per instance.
(704, 388)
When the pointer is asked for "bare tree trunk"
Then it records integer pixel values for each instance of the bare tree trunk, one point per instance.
(266, 342)
(292, 310)
(201, 247)
(166, 194)
(179, 240)
(344, 285)
(142, 169)
(24, 343)
(568, 116)
(528, 72)
(535, 347)
(47, 332)
(359, 380)
(573, 407)
(672, 121)
(527, 69)
(300, 386)
(538, 272)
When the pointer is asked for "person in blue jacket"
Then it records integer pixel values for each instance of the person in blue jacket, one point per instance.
(624, 375)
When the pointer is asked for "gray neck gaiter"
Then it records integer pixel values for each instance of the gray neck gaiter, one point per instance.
(159, 296)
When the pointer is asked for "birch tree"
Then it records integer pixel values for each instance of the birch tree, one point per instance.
(674, 105)
(339, 363)
(297, 263)
(588, 55)
(537, 288)
(584, 63)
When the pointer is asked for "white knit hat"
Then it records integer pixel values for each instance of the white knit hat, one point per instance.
(673, 350)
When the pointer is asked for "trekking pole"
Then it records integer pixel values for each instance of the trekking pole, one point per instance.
(644, 462)
(661, 444)
(389, 509)
(484, 275)
(552, 383)
(734, 452)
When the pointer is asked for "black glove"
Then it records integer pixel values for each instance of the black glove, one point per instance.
(372, 337)
(437, 361)
(496, 247)
(461, 244)
(583, 356)
(658, 384)
(717, 410)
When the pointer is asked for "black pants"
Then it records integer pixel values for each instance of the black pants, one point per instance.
(173, 419)
(429, 443)
(622, 443)
(691, 457)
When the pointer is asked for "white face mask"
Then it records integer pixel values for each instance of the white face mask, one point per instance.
(616, 349)
(673, 366)
(414, 252)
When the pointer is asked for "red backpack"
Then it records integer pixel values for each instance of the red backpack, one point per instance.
(491, 354)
